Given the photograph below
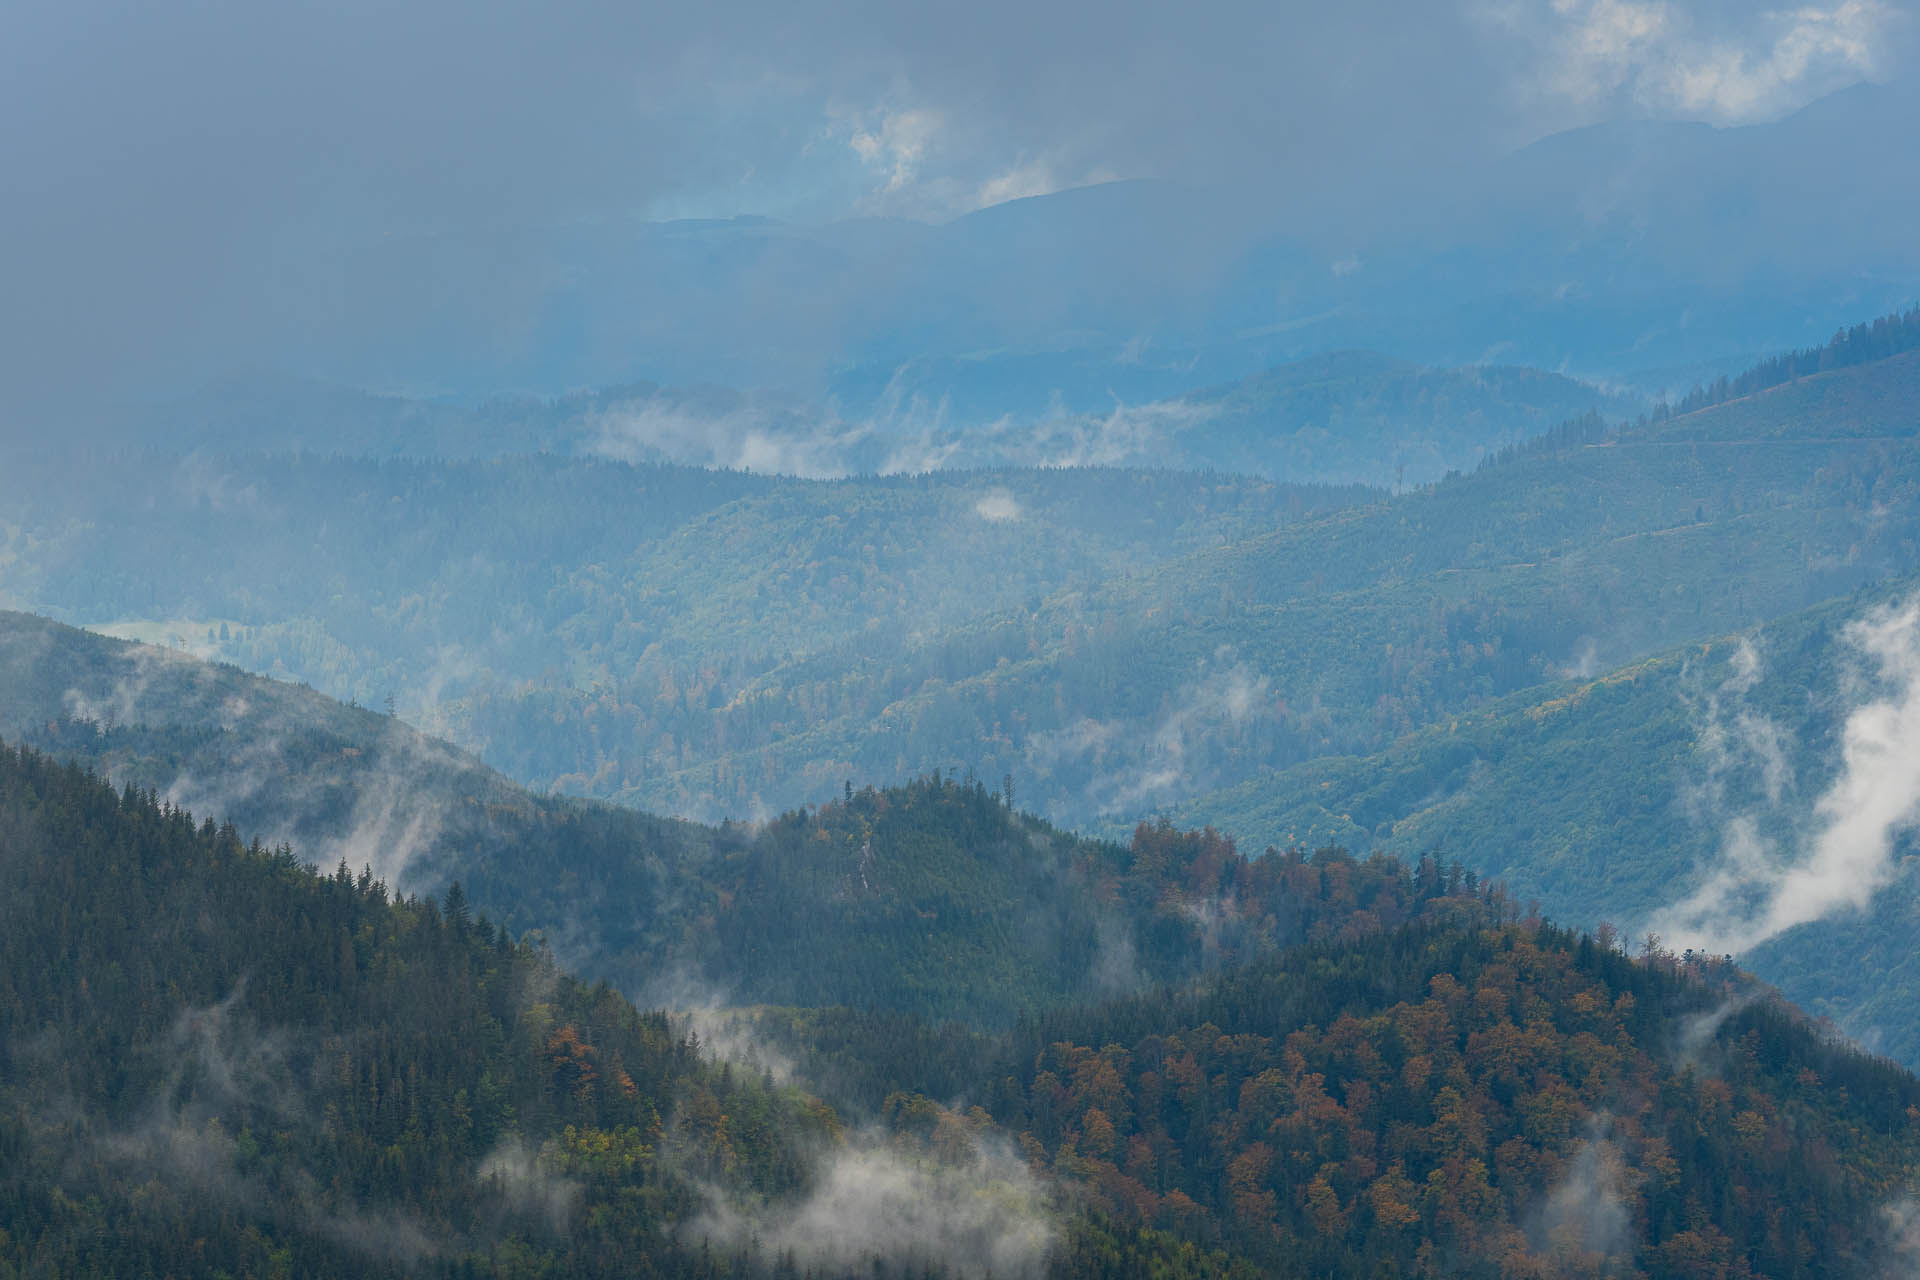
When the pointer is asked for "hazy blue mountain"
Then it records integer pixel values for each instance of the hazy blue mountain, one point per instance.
(718, 644)
(1345, 417)
(1644, 254)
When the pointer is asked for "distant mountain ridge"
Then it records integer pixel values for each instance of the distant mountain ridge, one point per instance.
(1345, 417)
(1643, 255)
(717, 644)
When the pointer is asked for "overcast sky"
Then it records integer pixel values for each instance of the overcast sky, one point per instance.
(165, 169)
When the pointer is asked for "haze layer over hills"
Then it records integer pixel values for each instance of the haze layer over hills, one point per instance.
(1657, 673)
(716, 644)
(995, 641)
(218, 1058)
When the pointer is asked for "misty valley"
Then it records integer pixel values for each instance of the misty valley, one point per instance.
(941, 645)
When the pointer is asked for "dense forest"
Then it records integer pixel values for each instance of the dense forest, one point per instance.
(964, 906)
(718, 645)
(1500, 1101)
(219, 1061)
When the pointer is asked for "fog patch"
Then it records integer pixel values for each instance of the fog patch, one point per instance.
(203, 482)
(395, 820)
(1757, 890)
(734, 433)
(398, 818)
(1696, 1032)
(1585, 663)
(979, 1211)
(221, 1071)
(513, 1170)
(1128, 433)
(1168, 760)
(727, 1035)
(1116, 969)
(723, 1032)
(1216, 925)
(121, 703)
(1736, 739)
(1902, 1244)
(1586, 1214)
(997, 505)
(452, 669)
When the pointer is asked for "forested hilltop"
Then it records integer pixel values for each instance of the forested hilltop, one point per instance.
(938, 898)
(217, 1061)
(1475, 1099)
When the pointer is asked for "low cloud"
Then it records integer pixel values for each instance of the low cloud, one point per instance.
(1586, 1214)
(514, 1171)
(997, 505)
(963, 1201)
(223, 1072)
(1139, 433)
(121, 701)
(739, 435)
(1694, 1033)
(1585, 663)
(1116, 968)
(381, 803)
(1902, 1243)
(1757, 890)
(398, 818)
(979, 1212)
(1727, 64)
(905, 435)
(1225, 696)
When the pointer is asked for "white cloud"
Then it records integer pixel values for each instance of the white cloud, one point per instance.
(1728, 64)
(1755, 891)
(745, 437)
(1031, 178)
(997, 505)
(983, 1214)
(515, 1171)
(1587, 1213)
(1134, 765)
(897, 145)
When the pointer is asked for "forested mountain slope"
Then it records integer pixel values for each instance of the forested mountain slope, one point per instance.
(1359, 416)
(1485, 1102)
(217, 1060)
(1615, 797)
(1462, 1095)
(1338, 635)
(583, 623)
(214, 1061)
(717, 645)
(935, 898)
